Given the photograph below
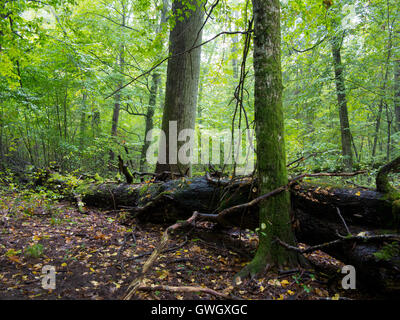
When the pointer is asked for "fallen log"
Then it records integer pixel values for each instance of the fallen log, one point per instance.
(315, 215)
(366, 208)
(178, 199)
(377, 262)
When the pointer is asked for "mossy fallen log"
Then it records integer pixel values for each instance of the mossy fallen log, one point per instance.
(364, 208)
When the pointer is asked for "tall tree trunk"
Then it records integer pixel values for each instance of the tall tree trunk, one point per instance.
(342, 101)
(65, 113)
(384, 83)
(120, 63)
(234, 49)
(117, 103)
(203, 74)
(397, 95)
(271, 167)
(156, 79)
(82, 126)
(182, 83)
(149, 118)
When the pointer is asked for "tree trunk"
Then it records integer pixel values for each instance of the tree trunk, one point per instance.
(384, 83)
(382, 181)
(342, 101)
(82, 126)
(149, 118)
(121, 65)
(234, 49)
(156, 79)
(117, 103)
(271, 164)
(182, 84)
(397, 94)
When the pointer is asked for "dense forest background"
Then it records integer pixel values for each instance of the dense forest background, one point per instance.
(65, 67)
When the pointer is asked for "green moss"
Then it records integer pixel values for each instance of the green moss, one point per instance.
(84, 188)
(143, 190)
(396, 212)
(388, 251)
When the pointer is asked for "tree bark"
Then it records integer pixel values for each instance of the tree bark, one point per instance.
(274, 220)
(342, 101)
(149, 119)
(82, 126)
(120, 67)
(117, 103)
(156, 79)
(397, 94)
(382, 181)
(384, 82)
(182, 83)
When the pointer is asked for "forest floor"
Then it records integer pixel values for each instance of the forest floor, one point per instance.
(96, 257)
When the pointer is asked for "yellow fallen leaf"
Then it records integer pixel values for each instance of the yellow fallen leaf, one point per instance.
(163, 275)
(335, 297)
(14, 259)
(284, 283)
(321, 293)
(274, 282)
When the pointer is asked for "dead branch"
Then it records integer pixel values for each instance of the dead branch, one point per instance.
(174, 248)
(188, 289)
(136, 283)
(340, 240)
(344, 222)
(277, 191)
(123, 168)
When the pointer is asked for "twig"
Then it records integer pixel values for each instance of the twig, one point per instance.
(344, 222)
(174, 248)
(123, 246)
(337, 241)
(136, 283)
(189, 289)
(178, 54)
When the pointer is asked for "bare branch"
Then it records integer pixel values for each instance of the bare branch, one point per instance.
(179, 54)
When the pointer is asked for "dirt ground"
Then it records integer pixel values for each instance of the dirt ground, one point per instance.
(96, 257)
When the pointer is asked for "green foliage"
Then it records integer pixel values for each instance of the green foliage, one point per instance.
(12, 252)
(34, 251)
(388, 251)
(59, 62)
